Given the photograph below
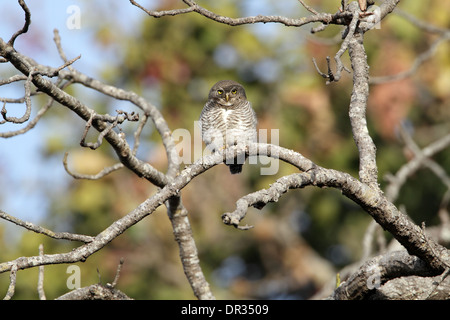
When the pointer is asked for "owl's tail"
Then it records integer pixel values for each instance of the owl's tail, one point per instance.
(235, 168)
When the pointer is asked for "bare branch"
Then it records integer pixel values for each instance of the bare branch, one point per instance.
(97, 176)
(38, 229)
(17, 77)
(119, 268)
(182, 231)
(370, 199)
(397, 181)
(348, 35)
(413, 288)
(425, 26)
(337, 18)
(329, 75)
(57, 40)
(377, 271)
(30, 124)
(27, 98)
(420, 59)
(107, 118)
(307, 7)
(25, 26)
(137, 133)
(12, 282)
(368, 171)
(260, 198)
(158, 14)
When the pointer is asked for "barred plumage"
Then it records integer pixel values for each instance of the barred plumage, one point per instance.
(228, 119)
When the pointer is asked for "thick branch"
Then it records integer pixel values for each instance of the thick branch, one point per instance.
(371, 200)
(188, 250)
(95, 292)
(368, 171)
(377, 271)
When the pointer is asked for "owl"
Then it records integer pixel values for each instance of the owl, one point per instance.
(228, 119)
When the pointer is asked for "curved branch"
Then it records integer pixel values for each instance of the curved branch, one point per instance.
(97, 176)
(26, 24)
(327, 18)
(371, 200)
(412, 166)
(30, 124)
(420, 59)
(38, 229)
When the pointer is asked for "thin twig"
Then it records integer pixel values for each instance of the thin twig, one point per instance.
(38, 229)
(444, 274)
(114, 121)
(397, 181)
(119, 268)
(425, 26)
(30, 124)
(26, 24)
(307, 7)
(420, 60)
(98, 143)
(27, 98)
(17, 77)
(101, 174)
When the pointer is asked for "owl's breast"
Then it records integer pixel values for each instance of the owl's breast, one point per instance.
(226, 114)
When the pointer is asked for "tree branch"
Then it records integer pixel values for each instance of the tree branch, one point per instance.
(38, 229)
(412, 166)
(376, 272)
(368, 171)
(337, 18)
(26, 24)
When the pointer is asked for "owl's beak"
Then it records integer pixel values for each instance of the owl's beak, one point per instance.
(227, 97)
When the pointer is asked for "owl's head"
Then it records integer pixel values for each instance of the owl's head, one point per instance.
(227, 93)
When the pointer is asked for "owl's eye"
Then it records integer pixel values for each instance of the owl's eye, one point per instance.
(234, 91)
(220, 92)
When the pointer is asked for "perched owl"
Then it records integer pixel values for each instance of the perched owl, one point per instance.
(228, 119)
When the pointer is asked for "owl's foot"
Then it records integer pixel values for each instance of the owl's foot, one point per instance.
(235, 168)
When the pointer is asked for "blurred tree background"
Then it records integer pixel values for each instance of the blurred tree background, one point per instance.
(299, 243)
